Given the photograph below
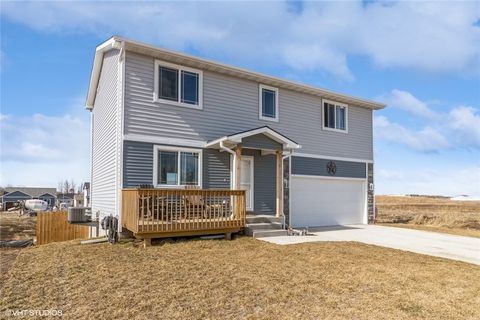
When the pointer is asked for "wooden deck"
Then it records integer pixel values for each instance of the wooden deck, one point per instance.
(156, 213)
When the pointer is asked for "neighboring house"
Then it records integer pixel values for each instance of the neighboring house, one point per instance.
(79, 200)
(86, 194)
(15, 194)
(168, 119)
(67, 198)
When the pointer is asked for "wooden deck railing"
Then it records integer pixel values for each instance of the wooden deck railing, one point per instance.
(171, 211)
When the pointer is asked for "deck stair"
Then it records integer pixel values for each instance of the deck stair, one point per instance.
(260, 226)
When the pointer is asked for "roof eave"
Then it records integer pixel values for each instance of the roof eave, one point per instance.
(97, 68)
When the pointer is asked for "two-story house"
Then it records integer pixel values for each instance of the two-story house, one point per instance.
(174, 121)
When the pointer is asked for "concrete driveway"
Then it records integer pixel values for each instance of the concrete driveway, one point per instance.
(431, 243)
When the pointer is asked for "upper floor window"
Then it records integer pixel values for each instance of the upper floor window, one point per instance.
(178, 85)
(268, 103)
(335, 116)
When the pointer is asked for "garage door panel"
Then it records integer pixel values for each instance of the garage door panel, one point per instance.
(326, 202)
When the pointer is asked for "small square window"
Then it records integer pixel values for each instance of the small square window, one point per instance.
(335, 116)
(268, 103)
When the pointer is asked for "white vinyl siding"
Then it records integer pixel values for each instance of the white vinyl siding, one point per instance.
(105, 142)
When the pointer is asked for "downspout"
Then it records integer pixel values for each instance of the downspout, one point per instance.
(234, 164)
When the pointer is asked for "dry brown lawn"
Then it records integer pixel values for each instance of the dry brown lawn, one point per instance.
(240, 279)
(16, 227)
(432, 214)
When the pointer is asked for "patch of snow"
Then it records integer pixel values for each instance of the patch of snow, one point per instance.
(465, 198)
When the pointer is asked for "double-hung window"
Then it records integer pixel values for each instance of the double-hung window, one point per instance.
(177, 166)
(335, 116)
(178, 85)
(268, 103)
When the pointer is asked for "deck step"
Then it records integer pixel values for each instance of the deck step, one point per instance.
(264, 226)
(269, 233)
(263, 219)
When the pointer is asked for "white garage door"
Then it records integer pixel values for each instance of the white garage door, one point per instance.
(327, 202)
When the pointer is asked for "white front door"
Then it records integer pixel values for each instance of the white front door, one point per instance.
(246, 180)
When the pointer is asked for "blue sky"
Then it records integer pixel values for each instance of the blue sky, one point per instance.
(422, 59)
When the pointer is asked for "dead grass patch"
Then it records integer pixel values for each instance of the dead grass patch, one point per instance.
(240, 279)
(433, 214)
(16, 227)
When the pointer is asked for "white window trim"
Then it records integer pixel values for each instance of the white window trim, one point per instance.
(323, 115)
(157, 148)
(277, 96)
(178, 103)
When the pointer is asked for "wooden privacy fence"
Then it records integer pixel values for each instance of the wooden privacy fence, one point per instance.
(174, 211)
(54, 227)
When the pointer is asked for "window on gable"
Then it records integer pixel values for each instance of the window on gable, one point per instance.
(268, 103)
(177, 167)
(334, 116)
(178, 85)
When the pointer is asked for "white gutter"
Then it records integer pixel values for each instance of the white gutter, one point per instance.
(234, 164)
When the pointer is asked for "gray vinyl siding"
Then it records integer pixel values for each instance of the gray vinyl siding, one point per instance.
(231, 105)
(138, 166)
(216, 169)
(105, 146)
(260, 141)
(264, 172)
(137, 163)
(318, 167)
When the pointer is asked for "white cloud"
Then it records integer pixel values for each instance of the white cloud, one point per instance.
(427, 36)
(427, 139)
(466, 122)
(407, 102)
(42, 149)
(459, 127)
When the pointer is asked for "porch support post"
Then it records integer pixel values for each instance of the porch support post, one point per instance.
(279, 179)
(238, 166)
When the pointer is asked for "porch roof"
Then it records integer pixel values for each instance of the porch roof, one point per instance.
(236, 138)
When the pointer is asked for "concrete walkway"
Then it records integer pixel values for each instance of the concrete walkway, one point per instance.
(431, 243)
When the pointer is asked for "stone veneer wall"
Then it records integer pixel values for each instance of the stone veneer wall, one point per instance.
(370, 195)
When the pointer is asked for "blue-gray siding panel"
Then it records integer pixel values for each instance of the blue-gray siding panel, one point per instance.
(216, 169)
(260, 141)
(15, 196)
(263, 182)
(137, 163)
(138, 166)
(318, 167)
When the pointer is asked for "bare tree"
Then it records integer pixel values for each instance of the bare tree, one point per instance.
(66, 186)
(72, 186)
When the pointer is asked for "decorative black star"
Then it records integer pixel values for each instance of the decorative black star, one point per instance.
(331, 168)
